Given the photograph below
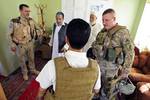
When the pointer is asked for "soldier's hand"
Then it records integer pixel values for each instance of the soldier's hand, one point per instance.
(122, 73)
(13, 49)
(124, 76)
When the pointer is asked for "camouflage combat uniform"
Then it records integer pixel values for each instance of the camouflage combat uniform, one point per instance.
(114, 51)
(22, 32)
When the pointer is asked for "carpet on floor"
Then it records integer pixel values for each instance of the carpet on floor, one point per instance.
(14, 85)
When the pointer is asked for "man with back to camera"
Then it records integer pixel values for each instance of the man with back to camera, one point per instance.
(73, 76)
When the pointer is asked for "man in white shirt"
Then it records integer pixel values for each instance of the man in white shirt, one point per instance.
(57, 41)
(95, 29)
(87, 77)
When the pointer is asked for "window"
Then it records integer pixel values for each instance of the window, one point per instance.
(142, 39)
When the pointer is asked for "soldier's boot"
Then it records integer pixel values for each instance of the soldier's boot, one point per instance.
(25, 76)
(36, 72)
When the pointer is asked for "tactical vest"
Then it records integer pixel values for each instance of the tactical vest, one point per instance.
(111, 53)
(22, 32)
(73, 83)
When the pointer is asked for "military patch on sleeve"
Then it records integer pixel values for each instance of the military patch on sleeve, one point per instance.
(16, 20)
(10, 27)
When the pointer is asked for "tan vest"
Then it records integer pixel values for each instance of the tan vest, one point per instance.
(73, 83)
(22, 30)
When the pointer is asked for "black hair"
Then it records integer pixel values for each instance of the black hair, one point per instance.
(78, 32)
(108, 11)
(23, 5)
(60, 13)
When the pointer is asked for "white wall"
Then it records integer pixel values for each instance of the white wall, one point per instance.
(82, 8)
(129, 12)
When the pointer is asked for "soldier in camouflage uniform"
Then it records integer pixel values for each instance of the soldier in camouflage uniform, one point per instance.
(22, 32)
(114, 51)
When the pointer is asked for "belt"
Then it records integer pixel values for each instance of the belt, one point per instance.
(20, 43)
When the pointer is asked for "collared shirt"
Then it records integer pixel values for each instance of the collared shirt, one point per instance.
(47, 76)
